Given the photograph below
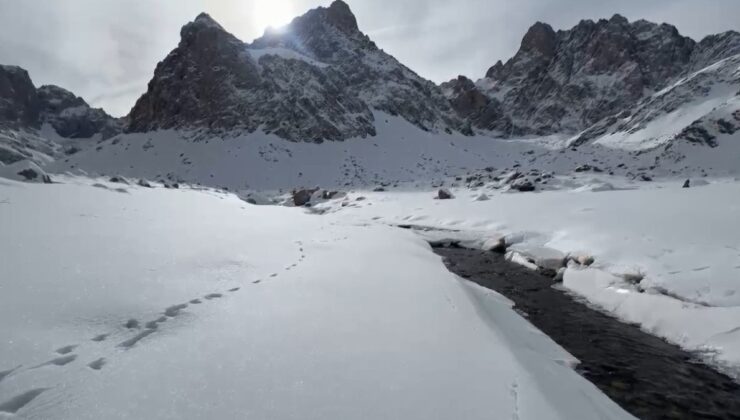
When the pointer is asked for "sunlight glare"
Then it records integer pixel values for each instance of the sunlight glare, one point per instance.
(273, 13)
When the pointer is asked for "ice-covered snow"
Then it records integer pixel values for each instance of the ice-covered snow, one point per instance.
(683, 244)
(119, 301)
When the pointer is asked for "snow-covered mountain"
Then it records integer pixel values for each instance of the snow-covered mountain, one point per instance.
(565, 81)
(35, 122)
(319, 78)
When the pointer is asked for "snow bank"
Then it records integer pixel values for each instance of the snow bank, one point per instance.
(684, 242)
(118, 301)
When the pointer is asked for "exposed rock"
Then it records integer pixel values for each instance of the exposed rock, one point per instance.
(317, 79)
(568, 81)
(28, 174)
(24, 106)
(586, 168)
(19, 106)
(328, 195)
(687, 183)
(72, 117)
(119, 180)
(26, 171)
(495, 244)
(303, 196)
(523, 185)
(444, 194)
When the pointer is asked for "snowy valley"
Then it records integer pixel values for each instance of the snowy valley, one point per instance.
(255, 239)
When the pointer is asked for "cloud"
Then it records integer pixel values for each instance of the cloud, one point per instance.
(106, 51)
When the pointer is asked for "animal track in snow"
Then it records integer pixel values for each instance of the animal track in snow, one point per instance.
(213, 296)
(195, 301)
(100, 337)
(515, 396)
(235, 289)
(66, 349)
(97, 364)
(19, 401)
(174, 310)
(131, 324)
(59, 361)
(127, 344)
(257, 282)
(5, 373)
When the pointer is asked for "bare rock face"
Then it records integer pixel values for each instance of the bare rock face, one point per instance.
(24, 106)
(567, 81)
(19, 104)
(444, 194)
(24, 109)
(72, 117)
(319, 78)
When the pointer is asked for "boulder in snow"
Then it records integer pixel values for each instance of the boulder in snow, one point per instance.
(25, 171)
(444, 194)
(522, 185)
(303, 196)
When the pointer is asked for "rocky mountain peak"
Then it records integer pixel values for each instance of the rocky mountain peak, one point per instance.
(19, 102)
(495, 71)
(540, 38)
(340, 15)
(565, 81)
(22, 106)
(329, 34)
(204, 32)
(318, 78)
(619, 20)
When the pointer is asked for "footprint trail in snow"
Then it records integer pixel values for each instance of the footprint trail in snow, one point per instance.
(11, 405)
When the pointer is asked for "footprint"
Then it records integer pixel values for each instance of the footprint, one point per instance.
(97, 364)
(256, 282)
(6, 373)
(135, 339)
(151, 325)
(174, 310)
(59, 361)
(195, 301)
(131, 324)
(100, 337)
(213, 296)
(234, 289)
(19, 401)
(273, 275)
(66, 349)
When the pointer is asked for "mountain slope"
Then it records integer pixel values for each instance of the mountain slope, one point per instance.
(566, 81)
(697, 108)
(319, 78)
(25, 110)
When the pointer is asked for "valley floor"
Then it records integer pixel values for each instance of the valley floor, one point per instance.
(128, 302)
(120, 301)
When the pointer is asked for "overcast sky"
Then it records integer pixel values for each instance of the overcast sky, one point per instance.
(106, 50)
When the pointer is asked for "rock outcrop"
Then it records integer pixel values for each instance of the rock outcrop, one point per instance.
(319, 78)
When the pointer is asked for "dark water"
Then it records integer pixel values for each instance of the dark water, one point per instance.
(647, 376)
